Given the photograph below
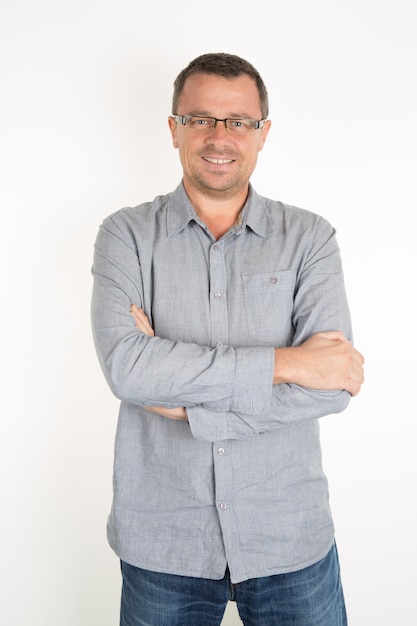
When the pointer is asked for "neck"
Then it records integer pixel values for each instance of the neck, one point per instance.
(218, 212)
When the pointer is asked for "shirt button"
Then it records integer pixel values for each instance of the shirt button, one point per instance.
(215, 247)
(220, 451)
(273, 280)
(219, 343)
(223, 506)
(218, 296)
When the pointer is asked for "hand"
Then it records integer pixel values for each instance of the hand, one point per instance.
(326, 361)
(178, 414)
(143, 324)
(141, 320)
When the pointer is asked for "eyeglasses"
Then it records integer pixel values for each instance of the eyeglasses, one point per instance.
(237, 125)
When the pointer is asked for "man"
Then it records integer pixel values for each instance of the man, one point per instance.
(221, 323)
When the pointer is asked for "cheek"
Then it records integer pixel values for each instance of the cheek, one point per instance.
(175, 141)
(185, 155)
(252, 154)
(188, 149)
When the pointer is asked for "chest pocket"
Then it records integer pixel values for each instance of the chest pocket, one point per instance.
(269, 300)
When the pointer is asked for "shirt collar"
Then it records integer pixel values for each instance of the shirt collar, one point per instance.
(180, 211)
(255, 213)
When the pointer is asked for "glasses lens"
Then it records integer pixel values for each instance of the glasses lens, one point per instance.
(238, 126)
(201, 123)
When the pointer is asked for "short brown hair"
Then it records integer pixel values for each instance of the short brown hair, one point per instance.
(220, 64)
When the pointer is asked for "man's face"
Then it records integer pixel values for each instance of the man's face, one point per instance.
(218, 162)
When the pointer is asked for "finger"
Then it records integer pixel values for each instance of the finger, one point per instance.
(136, 312)
(354, 387)
(333, 335)
(141, 320)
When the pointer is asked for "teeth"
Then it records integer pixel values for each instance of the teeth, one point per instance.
(218, 161)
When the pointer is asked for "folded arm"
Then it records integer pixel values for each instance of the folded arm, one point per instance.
(157, 371)
(226, 391)
(327, 361)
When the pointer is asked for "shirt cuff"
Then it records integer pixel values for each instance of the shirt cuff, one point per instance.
(251, 395)
(208, 425)
(254, 374)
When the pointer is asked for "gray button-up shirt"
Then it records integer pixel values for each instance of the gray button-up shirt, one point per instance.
(241, 484)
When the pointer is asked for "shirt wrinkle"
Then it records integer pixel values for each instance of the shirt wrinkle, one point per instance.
(241, 484)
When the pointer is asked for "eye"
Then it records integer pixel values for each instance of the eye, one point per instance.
(200, 121)
(237, 123)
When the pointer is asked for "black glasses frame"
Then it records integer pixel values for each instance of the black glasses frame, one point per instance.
(183, 119)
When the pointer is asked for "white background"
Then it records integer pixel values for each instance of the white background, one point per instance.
(85, 93)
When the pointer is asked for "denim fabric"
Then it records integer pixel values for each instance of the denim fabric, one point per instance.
(310, 597)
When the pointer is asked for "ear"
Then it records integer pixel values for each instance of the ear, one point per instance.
(173, 128)
(264, 133)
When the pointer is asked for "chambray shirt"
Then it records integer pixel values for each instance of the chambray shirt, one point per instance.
(241, 484)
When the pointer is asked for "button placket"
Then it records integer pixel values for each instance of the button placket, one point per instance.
(218, 295)
(222, 470)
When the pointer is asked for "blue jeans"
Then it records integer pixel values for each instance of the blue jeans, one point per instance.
(309, 597)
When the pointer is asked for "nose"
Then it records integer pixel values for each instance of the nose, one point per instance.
(221, 123)
(219, 132)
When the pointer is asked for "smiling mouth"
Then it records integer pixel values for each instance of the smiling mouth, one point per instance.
(218, 161)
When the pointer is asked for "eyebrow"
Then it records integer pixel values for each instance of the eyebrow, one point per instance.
(229, 116)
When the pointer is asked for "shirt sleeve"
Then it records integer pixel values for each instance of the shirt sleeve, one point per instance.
(320, 304)
(153, 371)
(290, 404)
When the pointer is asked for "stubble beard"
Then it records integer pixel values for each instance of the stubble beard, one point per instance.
(221, 186)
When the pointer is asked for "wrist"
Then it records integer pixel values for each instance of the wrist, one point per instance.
(284, 368)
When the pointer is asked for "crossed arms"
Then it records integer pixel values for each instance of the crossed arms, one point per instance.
(326, 361)
(228, 392)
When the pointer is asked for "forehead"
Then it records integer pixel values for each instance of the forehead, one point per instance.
(216, 95)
